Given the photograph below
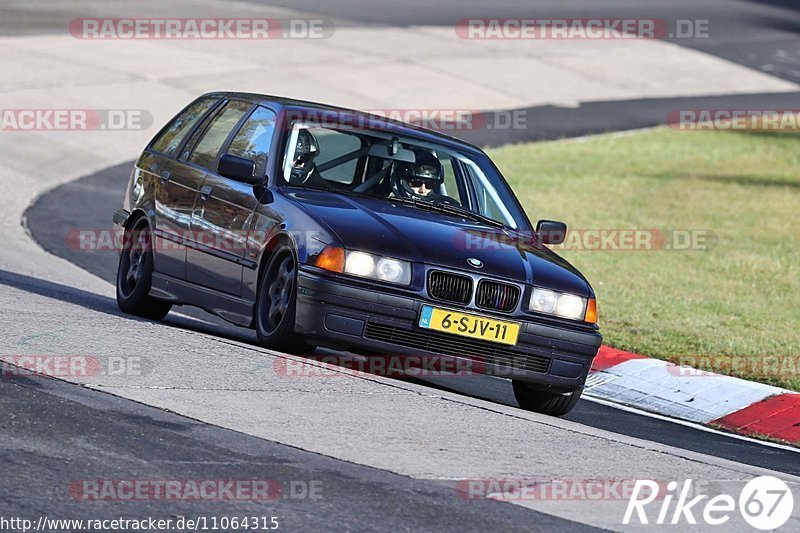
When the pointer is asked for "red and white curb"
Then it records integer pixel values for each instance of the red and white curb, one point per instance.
(737, 405)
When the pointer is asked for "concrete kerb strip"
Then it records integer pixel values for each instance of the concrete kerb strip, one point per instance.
(685, 393)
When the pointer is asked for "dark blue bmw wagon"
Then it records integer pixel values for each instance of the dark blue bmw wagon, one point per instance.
(321, 226)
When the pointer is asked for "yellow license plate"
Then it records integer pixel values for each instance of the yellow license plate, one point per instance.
(477, 327)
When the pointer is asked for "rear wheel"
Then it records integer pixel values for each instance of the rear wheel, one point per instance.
(276, 305)
(548, 403)
(134, 275)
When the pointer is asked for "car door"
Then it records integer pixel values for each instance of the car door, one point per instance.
(225, 207)
(176, 188)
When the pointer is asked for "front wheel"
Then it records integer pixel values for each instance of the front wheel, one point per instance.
(276, 304)
(134, 275)
(547, 403)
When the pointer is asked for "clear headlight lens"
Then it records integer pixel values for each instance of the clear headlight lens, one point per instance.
(372, 266)
(557, 303)
(571, 306)
(359, 264)
(394, 271)
(543, 301)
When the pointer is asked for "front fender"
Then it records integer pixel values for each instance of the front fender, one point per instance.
(282, 220)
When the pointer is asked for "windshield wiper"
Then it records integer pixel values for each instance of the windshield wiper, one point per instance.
(333, 190)
(451, 210)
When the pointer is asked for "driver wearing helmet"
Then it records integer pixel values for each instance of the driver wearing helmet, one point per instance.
(420, 180)
(304, 170)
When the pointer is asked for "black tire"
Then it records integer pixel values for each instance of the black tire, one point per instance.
(547, 403)
(276, 305)
(135, 275)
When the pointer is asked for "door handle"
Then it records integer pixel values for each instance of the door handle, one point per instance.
(205, 192)
(165, 176)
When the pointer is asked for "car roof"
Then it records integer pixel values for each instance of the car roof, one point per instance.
(306, 108)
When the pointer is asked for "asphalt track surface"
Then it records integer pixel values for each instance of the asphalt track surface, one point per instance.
(52, 219)
(56, 435)
(760, 34)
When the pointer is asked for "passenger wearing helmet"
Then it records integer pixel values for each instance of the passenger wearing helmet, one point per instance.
(304, 170)
(420, 180)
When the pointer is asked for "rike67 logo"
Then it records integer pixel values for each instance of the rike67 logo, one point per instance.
(765, 503)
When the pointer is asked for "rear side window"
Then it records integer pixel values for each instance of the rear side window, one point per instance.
(169, 140)
(253, 139)
(205, 153)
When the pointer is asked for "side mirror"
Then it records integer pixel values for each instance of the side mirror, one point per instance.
(239, 169)
(551, 232)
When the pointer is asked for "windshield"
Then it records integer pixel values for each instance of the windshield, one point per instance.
(382, 165)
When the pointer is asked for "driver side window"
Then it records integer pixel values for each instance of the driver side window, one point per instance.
(337, 157)
(254, 138)
(206, 150)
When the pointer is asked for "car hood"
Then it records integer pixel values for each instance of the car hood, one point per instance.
(437, 239)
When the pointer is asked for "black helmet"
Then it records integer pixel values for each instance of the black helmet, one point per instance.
(305, 151)
(427, 168)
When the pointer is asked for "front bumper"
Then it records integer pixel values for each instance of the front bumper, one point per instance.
(334, 313)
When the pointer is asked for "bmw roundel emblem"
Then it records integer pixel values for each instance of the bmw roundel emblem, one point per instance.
(477, 263)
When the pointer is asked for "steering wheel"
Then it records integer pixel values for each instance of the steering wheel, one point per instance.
(443, 199)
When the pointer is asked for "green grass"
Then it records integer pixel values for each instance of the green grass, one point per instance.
(740, 297)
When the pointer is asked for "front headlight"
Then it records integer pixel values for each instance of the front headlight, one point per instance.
(359, 264)
(558, 303)
(370, 266)
(394, 271)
